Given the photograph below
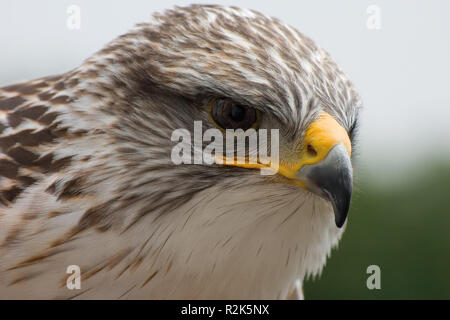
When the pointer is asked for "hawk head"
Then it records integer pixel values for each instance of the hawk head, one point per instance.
(205, 63)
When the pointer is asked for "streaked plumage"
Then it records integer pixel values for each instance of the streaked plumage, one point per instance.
(86, 176)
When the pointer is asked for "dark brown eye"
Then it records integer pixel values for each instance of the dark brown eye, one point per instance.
(231, 115)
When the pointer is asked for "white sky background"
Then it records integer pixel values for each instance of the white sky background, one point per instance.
(402, 70)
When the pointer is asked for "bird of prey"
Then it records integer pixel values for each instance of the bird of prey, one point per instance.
(86, 177)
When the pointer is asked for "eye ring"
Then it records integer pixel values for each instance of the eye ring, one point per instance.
(228, 114)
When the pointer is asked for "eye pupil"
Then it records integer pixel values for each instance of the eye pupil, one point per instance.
(237, 113)
(231, 115)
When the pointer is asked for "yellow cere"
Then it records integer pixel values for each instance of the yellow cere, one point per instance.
(321, 136)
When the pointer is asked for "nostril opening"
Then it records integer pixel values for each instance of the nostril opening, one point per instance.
(311, 151)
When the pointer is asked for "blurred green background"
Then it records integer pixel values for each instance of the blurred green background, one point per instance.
(404, 228)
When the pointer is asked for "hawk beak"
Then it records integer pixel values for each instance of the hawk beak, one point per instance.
(331, 179)
(325, 167)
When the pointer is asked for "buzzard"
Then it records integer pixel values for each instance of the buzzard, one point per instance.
(86, 176)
